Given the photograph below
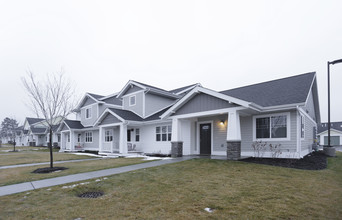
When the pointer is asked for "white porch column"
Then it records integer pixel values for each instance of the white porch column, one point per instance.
(233, 129)
(123, 139)
(176, 130)
(62, 143)
(100, 139)
(72, 140)
(176, 139)
(233, 136)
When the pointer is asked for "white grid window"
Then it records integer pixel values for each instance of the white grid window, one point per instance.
(89, 137)
(108, 136)
(163, 133)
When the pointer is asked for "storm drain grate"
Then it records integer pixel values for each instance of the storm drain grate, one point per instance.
(91, 195)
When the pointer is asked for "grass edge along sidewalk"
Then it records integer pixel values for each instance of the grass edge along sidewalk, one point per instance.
(27, 186)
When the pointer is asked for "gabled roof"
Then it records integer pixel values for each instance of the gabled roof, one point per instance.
(97, 97)
(184, 88)
(34, 120)
(290, 90)
(147, 88)
(38, 130)
(112, 100)
(333, 125)
(73, 124)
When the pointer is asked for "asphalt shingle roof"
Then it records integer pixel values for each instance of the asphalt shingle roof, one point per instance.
(38, 130)
(96, 96)
(34, 120)
(113, 101)
(73, 124)
(181, 88)
(333, 125)
(130, 116)
(284, 91)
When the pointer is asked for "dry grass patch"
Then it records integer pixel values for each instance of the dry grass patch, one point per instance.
(235, 190)
(23, 174)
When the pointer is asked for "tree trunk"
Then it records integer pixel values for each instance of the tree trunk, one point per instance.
(50, 146)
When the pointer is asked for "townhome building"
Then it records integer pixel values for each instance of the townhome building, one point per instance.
(194, 120)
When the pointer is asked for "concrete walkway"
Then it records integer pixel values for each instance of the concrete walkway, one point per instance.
(45, 163)
(27, 186)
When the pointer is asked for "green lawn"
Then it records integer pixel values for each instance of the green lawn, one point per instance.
(24, 174)
(235, 190)
(35, 155)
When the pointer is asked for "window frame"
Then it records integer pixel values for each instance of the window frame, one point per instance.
(130, 98)
(167, 133)
(88, 135)
(137, 134)
(288, 127)
(108, 138)
(302, 127)
(88, 110)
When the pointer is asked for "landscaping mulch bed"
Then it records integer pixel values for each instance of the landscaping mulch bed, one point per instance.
(315, 161)
(49, 170)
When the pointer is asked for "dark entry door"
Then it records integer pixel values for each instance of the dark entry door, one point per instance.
(205, 139)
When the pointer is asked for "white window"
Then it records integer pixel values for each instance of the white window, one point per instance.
(88, 113)
(302, 126)
(163, 133)
(68, 137)
(271, 127)
(137, 134)
(132, 100)
(89, 137)
(108, 136)
(58, 138)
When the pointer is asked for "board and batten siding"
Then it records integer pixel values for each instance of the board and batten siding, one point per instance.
(89, 121)
(310, 107)
(219, 139)
(138, 107)
(109, 119)
(132, 90)
(88, 101)
(203, 102)
(288, 147)
(155, 103)
(306, 143)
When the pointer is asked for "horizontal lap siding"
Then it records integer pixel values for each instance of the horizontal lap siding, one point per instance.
(154, 103)
(306, 144)
(89, 121)
(247, 134)
(88, 101)
(138, 107)
(95, 144)
(148, 143)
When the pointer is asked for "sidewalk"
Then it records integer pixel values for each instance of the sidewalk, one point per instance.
(27, 186)
(45, 163)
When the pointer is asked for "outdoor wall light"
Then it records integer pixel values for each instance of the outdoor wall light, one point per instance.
(222, 122)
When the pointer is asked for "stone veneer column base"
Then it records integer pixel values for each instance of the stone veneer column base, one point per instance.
(233, 150)
(177, 149)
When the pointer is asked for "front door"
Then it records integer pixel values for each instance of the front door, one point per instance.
(205, 139)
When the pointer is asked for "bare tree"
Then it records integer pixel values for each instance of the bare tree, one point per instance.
(49, 99)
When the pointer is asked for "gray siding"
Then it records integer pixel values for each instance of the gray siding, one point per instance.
(219, 131)
(88, 101)
(138, 107)
(309, 107)
(64, 128)
(203, 102)
(154, 103)
(109, 119)
(102, 108)
(95, 144)
(90, 121)
(306, 143)
(247, 134)
(132, 89)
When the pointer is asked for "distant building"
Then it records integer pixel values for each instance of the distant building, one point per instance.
(335, 133)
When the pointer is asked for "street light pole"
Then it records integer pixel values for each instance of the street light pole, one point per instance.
(333, 63)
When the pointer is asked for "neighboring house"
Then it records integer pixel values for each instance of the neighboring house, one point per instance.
(36, 132)
(194, 120)
(335, 133)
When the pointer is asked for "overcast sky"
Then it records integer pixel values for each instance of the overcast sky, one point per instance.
(220, 44)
